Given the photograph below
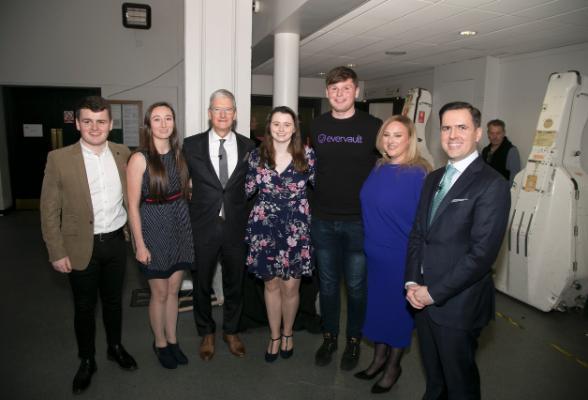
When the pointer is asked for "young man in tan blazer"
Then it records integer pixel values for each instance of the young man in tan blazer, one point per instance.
(83, 213)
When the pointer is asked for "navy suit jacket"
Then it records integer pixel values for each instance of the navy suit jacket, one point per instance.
(208, 194)
(453, 256)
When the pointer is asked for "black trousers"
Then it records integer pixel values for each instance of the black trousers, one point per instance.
(104, 275)
(232, 259)
(449, 358)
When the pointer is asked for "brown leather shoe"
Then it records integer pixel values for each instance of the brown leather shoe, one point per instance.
(207, 347)
(235, 345)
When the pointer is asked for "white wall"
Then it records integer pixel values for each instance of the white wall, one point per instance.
(473, 81)
(83, 43)
(307, 87)
(399, 85)
(522, 89)
(217, 56)
(510, 88)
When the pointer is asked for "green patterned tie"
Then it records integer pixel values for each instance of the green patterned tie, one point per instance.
(444, 187)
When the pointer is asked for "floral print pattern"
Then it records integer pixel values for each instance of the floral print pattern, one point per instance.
(278, 231)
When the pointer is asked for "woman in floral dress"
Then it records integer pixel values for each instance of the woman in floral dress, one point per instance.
(278, 233)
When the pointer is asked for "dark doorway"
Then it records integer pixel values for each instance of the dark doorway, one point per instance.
(38, 120)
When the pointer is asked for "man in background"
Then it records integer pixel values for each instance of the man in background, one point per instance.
(501, 154)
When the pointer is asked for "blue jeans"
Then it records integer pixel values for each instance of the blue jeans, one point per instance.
(339, 249)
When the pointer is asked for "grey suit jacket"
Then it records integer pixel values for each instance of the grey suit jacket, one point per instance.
(67, 216)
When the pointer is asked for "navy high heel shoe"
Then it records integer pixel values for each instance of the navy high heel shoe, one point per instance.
(365, 376)
(271, 357)
(286, 353)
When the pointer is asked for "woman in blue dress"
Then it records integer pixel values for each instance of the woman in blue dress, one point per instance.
(278, 233)
(389, 199)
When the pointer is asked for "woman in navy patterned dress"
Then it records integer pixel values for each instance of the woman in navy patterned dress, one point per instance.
(389, 199)
(278, 231)
(157, 183)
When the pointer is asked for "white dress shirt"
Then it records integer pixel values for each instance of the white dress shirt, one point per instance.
(230, 148)
(461, 166)
(105, 190)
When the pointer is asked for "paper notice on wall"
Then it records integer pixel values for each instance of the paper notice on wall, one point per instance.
(32, 130)
(130, 124)
(116, 116)
(68, 117)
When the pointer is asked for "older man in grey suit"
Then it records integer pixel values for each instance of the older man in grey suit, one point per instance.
(217, 161)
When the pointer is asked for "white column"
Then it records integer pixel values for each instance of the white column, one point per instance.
(217, 55)
(286, 49)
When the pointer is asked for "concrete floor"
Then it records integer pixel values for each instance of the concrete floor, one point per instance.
(524, 354)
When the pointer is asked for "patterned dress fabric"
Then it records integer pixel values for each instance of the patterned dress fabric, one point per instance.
(389, 200)
(278, 231)
(166, 227)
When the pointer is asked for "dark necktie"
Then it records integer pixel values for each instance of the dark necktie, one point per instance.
(223, 167)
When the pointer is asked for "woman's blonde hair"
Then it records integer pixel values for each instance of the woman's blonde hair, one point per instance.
(413, 156)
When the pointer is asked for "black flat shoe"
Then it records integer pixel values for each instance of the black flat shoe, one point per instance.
(286, 353)
(271, 357)
(177, 353)
(165, 357)
(367, 377)
(83, 377)
(381, 389)
(119, 355)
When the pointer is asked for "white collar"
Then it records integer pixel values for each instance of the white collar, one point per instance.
(214, 137)
(87, 150)
(462, 164)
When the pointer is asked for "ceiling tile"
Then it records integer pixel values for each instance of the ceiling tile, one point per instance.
(512, 6)
(323, 42)
(553, 8)
(450, 56)
(351, 44)
(577, 18)
(469, 3)
(419, 18)
(428, 30)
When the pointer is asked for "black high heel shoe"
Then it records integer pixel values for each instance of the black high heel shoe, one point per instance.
(365, 376)
(165, 357)
(271, 357)
(381, 389)
(286, 353)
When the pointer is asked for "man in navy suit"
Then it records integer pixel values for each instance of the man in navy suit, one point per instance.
(460, 223)
(217, 161)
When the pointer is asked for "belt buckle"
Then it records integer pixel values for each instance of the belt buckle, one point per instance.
(101, 237)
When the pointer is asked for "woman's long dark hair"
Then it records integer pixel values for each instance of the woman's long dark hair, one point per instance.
(158, 182)
(267, 153)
